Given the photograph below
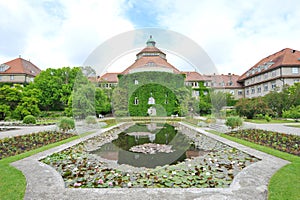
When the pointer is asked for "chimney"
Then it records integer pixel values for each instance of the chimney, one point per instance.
(229, 74)
(19, 56)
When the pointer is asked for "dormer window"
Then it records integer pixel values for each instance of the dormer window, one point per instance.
(150, 64)
(3, 67)
(136, 82)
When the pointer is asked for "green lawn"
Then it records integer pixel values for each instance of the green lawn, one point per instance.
(273, 121)
(285, 183)
(12, 181)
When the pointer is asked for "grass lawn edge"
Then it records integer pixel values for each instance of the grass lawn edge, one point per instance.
(285, 183)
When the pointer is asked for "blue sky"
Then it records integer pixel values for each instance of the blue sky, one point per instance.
(235, 34)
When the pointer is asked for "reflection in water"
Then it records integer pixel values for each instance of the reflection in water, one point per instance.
(118, 150)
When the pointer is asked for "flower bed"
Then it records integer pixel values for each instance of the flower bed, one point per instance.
(280, 141)
(20, 144)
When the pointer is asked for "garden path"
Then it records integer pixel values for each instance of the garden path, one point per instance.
(24, 130)
(281, 128)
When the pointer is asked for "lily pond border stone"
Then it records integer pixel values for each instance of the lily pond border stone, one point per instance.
(44, 182)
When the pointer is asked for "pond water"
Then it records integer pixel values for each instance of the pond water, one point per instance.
(157, 145)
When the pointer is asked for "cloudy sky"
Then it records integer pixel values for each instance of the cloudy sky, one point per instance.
(235, 34)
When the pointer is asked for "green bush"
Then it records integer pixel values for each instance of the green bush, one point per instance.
(268, 118)
(234, 122)
(259, 116)
(29, 119)
(293, 113)
(90, 120)
(66, 124)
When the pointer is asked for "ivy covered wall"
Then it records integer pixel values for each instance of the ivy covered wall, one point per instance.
(166, 103)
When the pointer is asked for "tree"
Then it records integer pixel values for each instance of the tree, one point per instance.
(252, 107)
(56, 86)
(28, 104)
(120, 101)
(102, 102)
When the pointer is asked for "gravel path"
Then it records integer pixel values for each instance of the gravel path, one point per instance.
(24, 130)
(281, 128)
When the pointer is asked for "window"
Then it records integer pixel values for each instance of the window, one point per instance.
(295, 70)
(273, 84)
(266, 87)
(247, 91)
(136, 82)
(3, 67)
(12, 77)
(295, 80)
(0, 77)
(231, 92)
(136, 101)
(266, 75)
(230, 83)
(258, 89)
(273, 73)
(252, 90)
(258, 78)
(240, 92)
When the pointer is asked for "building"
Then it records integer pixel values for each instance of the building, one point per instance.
(19, 71)
(272, 73)
(153, 59)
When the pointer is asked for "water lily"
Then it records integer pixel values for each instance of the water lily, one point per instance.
(77, 184)
(129, 184)
(174, 172)
(110, 183)
(100, 181)
(207, 174)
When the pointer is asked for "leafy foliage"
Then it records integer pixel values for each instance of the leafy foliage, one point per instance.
(20, 144)
(234, 122)
(252, 107)
(90, 120)
(66, 124)
(280, 141)
(29, 119)
(56, 86)
(284, 100)
(293, 113)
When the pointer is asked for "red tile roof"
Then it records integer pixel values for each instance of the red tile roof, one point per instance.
(194, 76)
(21, 66)
(157, 62)
(225, 81)
(285, 57)
(109, 77)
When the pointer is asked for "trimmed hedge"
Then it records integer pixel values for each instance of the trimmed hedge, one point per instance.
(29, 119)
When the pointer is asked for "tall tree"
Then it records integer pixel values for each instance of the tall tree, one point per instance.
(56, 86)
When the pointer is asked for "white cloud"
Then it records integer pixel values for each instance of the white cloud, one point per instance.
(58, 33)
(235, 34)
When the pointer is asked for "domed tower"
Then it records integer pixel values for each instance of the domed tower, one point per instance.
(151, 59)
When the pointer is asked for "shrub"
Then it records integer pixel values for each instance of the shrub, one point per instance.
(29, 119)
(268, 118)
(259, 116)
(90, 120)
(293, 113)
(210, 120)
(66, 124)
(233, 122)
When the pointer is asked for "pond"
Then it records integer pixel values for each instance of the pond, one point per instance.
(149, 156)
(149, 145)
